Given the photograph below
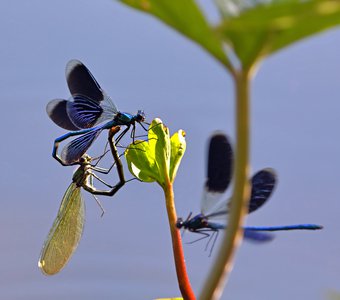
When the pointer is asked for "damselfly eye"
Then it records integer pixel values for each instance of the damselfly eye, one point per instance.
(179, 223)
(140, 117)
(204, 222)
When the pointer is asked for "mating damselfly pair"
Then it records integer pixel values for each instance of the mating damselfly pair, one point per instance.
(89, 111)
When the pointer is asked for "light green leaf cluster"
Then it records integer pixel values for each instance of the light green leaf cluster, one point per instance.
(252, 29)
(158, 158)
(185, 17)
(233, 8)
(267, 28)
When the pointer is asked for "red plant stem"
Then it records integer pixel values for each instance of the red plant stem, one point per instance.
(182, 276)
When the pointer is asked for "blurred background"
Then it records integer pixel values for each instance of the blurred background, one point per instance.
(142, 64)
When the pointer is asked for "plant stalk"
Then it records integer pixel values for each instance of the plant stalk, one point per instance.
(223, 264)
(182, 276)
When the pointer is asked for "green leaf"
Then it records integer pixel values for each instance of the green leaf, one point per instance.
(178, 146)
(140, 163)
(185, 17)
(265, 29)
(159, 139)
(233, 8)
(158, 158)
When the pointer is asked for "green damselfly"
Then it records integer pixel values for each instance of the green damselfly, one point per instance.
(67, 228)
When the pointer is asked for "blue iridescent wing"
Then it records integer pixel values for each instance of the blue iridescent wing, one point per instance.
(74, 150)
(57, 111)
(219, 171)
(84, 112)
(257, 237)
(80, 81)
(263, 184)
(250, 233)
(219, 165)
(91, 105)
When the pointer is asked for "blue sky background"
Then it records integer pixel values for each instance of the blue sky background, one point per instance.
(144, 65)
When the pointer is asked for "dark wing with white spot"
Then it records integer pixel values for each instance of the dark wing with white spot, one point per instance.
(219, 172)
(263, 183)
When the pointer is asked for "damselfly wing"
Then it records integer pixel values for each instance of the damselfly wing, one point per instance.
(85, 113)
(214, 210)
(67, 228)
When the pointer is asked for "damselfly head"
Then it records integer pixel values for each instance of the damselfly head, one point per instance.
(85, 159)
(123, 118)
(140, 117)
(179, 223)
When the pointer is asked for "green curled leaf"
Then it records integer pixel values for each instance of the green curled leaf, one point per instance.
(178, 146)
(159, 139)
(140, 164)
(158, 158)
